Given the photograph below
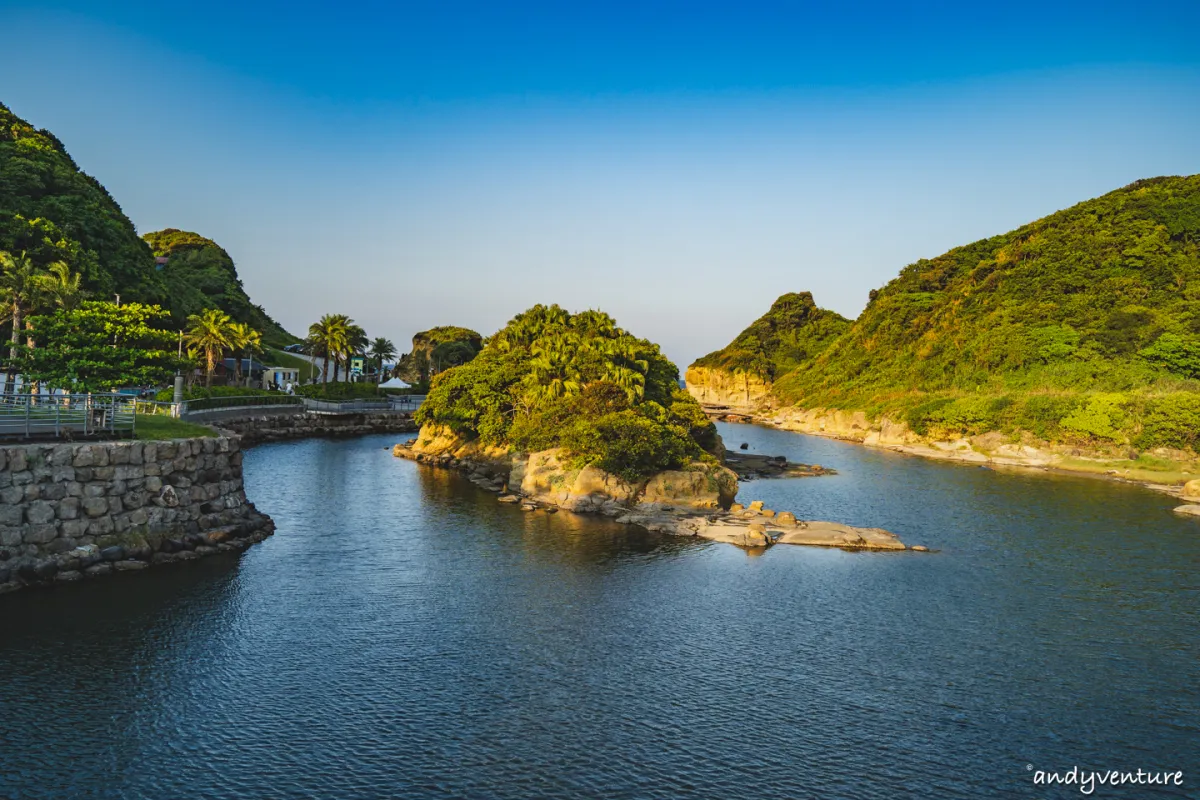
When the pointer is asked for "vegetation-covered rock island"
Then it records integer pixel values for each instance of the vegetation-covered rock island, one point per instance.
(569, 411)
(1071, 342)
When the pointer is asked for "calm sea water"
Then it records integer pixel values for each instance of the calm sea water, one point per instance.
(403, 635)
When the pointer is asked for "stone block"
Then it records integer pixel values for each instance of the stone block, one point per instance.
(95, 490)
(118, 454)
(103, 473)
(39, 513)
(135, 453)
(62, 455)
(63, 474)
(74, 489)
(73, 528)
(100, 526)
(32, 492)
(17, 461)
(54, 491)
(84, 457)
(95, 506)
(22, 478)
(115, 506)
(134, 500)
(12, 515)
(68, 508)
(11, 536)
(84, 474)
(153, 484)
(41, 533)
(129, 472)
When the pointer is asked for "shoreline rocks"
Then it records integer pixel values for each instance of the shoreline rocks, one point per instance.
(693, 502)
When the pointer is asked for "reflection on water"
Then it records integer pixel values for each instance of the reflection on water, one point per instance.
(404, 635)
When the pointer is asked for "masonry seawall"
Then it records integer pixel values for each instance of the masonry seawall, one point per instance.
(75, 511)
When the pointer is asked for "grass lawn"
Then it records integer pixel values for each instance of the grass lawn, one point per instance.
(159, 426)
(278, 358)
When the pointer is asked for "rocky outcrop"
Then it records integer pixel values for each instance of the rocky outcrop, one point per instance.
(695, 501)
(759, 527)
(1191, 510)
(1191, 490)
(549, 477)
(70, 511)
(732, 389)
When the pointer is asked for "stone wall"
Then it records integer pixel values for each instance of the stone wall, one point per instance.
(70, 511)
(259, 428)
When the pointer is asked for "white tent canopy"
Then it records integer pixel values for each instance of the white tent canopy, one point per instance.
(394, 383)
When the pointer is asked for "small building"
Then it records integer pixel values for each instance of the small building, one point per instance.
(280, 377)
(227, 370)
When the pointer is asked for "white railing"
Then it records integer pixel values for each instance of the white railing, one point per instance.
(42, 415)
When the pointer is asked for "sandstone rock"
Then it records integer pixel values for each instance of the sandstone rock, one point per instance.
(785, 518)
(509, 498)
(920, 548)
(768, 513)
(129, 566)
(1190, 510)
(736, 507)
(1191, 490)
(698, 486)
(755, 506)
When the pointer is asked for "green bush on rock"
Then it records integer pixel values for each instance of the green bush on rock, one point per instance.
(552, 379)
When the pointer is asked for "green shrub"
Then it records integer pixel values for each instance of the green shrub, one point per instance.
(1171, 421)
(1102, 417)
(339, 391)
(628, 444)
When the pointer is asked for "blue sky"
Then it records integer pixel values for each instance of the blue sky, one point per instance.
(677, 164)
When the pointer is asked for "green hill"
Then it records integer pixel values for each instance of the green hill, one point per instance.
(54, 211)
(794, 331)
(199, 274)
(1082, 325)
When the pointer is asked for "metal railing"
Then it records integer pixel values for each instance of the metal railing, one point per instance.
(240, 401)
(44, 415)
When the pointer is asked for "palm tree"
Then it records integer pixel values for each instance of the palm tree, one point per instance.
(210, 332)
(381, 350)
(317, 344)
(61, 288)
(246, 341)
(328, 338)
(20, 288)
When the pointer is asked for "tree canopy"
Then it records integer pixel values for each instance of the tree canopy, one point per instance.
(553, 379)
(100, 346)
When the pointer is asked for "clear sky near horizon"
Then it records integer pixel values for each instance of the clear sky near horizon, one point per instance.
(678, 165)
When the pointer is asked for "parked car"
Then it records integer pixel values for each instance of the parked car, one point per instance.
(294, 348)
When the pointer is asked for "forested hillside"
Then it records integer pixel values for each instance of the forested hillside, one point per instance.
(53, 211)
(1083, 324)
(199, 274)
